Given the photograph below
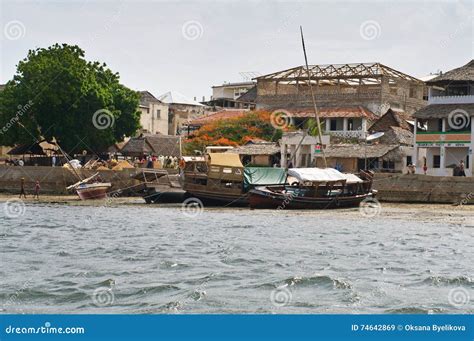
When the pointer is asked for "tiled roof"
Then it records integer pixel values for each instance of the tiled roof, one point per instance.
(219, 115)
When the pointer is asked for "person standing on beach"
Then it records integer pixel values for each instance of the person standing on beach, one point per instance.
(37, 190)
(22, 188)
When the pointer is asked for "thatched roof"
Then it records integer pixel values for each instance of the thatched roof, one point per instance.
(249, 97)
(443, 110)
(37, 148)
(358, 151)
(397, 135)
(461, 74)
(262, 148)
(393, 118)
(152, 144)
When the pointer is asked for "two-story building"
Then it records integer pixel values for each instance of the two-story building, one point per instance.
(154, 114)
(448, 133)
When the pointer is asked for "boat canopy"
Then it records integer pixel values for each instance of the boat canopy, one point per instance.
(322, 175)
(264, 176)
(225, 160)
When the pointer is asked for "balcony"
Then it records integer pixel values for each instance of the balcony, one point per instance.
(451, 99)
(347, 133)
(448, 139)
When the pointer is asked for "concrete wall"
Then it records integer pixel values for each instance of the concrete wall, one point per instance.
(54, 180)
(424, 188)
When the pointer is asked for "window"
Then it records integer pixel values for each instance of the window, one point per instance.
(440, 124)
(333, 124)
(388, 164)
(158, 113)
(409, 160)
(467, 161)
(436, 161)
(350, 124)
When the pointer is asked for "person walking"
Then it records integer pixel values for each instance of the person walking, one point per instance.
(37, 190)
(22, 188)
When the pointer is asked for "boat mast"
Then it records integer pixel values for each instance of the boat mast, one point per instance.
(316, 112)
(68, 161)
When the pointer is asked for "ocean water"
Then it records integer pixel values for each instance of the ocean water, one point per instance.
(155, 259)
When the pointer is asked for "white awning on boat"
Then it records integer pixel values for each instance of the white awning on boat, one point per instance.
(322, 175)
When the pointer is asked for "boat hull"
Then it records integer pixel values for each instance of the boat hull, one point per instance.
(266, 199)
(220, 199)
(93, 192)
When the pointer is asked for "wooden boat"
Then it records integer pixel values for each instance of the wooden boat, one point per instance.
(158, 186)
(90, 188)
(315, 189)
(221, 179)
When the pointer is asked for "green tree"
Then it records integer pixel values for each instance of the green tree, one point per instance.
(57, 93)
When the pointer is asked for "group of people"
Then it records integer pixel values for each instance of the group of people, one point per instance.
(36, 189)
(149, 160)
(459, 170)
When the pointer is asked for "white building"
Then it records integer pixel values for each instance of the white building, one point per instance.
(449, 133)
(154, 114)
(300, 150)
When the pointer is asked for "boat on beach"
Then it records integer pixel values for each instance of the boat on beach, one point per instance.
(221, 179)
(91, 188)
(315, 188)
(158, 186)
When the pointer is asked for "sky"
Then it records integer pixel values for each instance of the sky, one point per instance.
(189, 46)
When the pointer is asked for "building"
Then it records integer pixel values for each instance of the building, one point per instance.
(374, 86)
(345, 122)
(449, 135)
(258, 153)
(299, 149)
(181, 111)
(154, 114)
(233, 95)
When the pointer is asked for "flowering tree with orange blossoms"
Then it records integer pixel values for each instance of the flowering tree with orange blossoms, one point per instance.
(234, 131)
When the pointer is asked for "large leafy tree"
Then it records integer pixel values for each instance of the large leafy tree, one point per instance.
(57, 93)
(238, 130)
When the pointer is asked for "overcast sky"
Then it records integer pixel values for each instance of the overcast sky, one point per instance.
(188, 46)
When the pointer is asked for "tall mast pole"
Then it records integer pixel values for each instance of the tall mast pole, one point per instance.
(316, 112)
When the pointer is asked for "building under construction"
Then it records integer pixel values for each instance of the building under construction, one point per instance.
(372, 85)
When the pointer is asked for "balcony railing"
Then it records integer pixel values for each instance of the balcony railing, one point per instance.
(451, 99)
(346, 133)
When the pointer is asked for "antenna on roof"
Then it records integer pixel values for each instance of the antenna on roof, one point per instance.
(249, 75)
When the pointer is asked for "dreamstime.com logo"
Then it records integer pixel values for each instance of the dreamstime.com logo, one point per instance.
(281, 296)
(458, 119)
(14, 30)
(370, 30)
(192, 30)
(281, 119)
(370, 207)
(192, 207)
(458, 297)
(103, 296)
(14, 208)
(103, 119)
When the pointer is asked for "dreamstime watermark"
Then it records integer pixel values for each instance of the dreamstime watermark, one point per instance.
(370, 207)
(370, 30)
(103, 296)
(192, 207)
(281, 119)
(14, 208)
(458, 297)
(22, 109)
(192, 30)
(103, 119)
(281, 296)
(458, 119)
(14, 30)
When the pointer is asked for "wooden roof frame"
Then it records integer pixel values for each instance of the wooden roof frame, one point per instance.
(348, 74)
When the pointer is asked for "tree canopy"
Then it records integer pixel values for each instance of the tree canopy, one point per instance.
(237, 131)
(57, 93)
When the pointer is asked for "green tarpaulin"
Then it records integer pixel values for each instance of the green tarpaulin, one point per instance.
(260, 176)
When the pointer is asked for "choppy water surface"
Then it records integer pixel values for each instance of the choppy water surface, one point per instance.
(150, 259)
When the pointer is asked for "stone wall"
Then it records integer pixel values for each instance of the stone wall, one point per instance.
(424, 188)
(54, 180)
